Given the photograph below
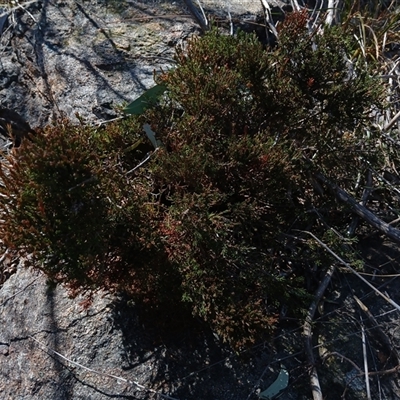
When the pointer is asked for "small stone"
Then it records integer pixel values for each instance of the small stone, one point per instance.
(4, 349)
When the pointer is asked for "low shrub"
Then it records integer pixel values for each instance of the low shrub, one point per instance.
(208, 220)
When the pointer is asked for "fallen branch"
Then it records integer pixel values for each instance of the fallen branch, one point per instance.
(364, 347)
(391, 122)
(307, 332)
(18, 5)
(361, 211)
(200, 18)
(364, 198)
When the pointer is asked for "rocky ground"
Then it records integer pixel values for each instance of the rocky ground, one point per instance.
(67, 57)
(59, 58)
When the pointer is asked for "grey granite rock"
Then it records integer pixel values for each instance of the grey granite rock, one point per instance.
(87, 57)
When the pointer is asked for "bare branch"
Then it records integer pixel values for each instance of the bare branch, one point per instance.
(391, 122)
(307, 332)
(364, 347)
(268, 18)
(364, 198)
(361, 211)
(201, 19)
(147, 158)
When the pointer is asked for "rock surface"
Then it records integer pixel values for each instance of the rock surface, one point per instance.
(87, 57)
(54, 347)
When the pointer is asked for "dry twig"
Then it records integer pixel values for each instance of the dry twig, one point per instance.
(361, 211)
(364, 347)
(383, 338)
(307, 332)
(200, 18)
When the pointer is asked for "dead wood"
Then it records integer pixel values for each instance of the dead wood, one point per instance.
(383, 338)
(361, 211)
(364, 199)
(200, 18)
(307, 332)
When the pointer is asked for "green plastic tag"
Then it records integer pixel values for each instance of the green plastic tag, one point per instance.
(149, 97)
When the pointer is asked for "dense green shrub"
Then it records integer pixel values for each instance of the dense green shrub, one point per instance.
(207, 219)
(72, 208)
(238, 171)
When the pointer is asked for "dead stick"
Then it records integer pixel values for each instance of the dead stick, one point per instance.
(394, 370)
(197, 16)
(361, 211)
(364, 347)
(307, 332)
(382, 335)
(364, 198)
